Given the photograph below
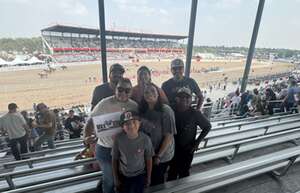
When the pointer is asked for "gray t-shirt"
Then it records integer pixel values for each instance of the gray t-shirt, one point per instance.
(13, 123)
(132, 153)
(107, 107)
(156, 125)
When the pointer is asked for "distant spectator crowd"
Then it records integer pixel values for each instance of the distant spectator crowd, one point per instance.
(141, 135)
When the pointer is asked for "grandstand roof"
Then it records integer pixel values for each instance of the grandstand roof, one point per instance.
(92, 31)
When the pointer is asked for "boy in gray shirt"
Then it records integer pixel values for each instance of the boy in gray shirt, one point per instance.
(131, 156)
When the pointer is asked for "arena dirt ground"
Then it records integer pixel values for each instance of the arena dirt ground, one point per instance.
(74, 86)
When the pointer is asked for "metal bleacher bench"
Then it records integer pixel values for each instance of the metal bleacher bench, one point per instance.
(215, 137)
(237, 142)
(251, 120)
(23, 178)
(225, 175)
(49, 151)
(199, 182)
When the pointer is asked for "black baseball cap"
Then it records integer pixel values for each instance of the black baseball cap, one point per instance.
(184, 90)
(117, 67)
(177, 63)
(129, 115)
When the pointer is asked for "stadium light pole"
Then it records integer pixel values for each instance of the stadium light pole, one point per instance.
(252, 44)
(102, 39)
(191, 38)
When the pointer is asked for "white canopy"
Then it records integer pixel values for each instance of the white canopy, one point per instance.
(2, 62)
(35, 60)
(17, 61)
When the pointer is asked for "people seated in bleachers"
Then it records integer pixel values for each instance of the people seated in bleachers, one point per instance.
(16, 127)
(74, 125)
(256, 102)
(186, 139)
(292, 98)
(270, 96)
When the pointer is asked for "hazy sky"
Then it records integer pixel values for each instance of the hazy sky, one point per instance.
(219, 22)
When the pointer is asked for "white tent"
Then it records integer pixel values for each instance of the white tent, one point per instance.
(35, 60)
(17, 61)
(3, 62)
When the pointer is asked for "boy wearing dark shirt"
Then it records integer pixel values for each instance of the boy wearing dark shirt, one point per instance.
(186, 143)
(131, 156)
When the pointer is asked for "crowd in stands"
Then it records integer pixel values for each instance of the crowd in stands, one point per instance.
(92, 44)
(141, 135)
(278, 95)
(84, 42)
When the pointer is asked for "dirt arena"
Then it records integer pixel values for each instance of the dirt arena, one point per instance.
(75, 85)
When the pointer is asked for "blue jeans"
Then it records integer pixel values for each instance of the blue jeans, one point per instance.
(22, 141)
(103, 155)
(43, 138)
(135, 184)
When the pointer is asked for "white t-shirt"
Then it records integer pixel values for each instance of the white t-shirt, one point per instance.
(108, 112)
(13, 123)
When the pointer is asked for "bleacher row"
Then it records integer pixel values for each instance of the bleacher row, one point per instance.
(56, 170)
(84, 42)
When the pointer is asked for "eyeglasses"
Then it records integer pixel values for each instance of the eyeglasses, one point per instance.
(126, 90)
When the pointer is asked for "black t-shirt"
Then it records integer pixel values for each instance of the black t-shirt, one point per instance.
(101, 92)
(171, 87)
(73, 125)
(186, 125)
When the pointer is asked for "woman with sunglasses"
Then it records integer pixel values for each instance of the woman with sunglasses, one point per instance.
(158, 123)
(115, 104)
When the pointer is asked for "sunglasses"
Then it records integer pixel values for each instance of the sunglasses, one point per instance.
(126, 90)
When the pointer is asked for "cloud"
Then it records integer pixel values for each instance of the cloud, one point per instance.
(140, 7)
(221, 4)
(73, 7)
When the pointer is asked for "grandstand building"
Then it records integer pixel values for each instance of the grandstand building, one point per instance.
(76, 44)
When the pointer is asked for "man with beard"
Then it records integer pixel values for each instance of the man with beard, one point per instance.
(116, 72)
(171, 86)
(186, 143)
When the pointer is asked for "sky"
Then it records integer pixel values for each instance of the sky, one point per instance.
(218, 23)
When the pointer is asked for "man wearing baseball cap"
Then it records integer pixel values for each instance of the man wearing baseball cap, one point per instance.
(178, 81)
(186, 142)
(116, 72)
(15, 126)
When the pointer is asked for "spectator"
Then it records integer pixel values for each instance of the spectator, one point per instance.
(257, 102)
(132, 156)
(48, 126)
(116, 72)
(291, 100)
(143, 79)
(74, 125)
(178, 81)
(270, 97)
(186, 143)
(32, 134)
(15, 125)
(158, 122)
(108, 107)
